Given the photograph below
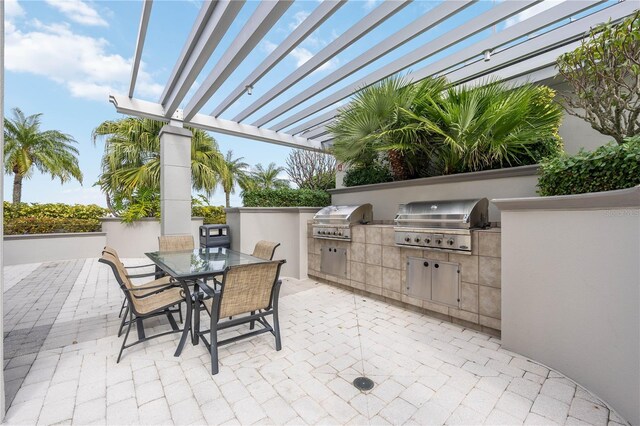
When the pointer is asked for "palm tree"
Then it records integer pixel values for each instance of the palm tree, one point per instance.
(50, 151)
(267, 178)
(131, 159)
(234, 171)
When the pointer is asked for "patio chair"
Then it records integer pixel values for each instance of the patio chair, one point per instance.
(251, 289)
(265, 249)
(175, 242)
(156, 298)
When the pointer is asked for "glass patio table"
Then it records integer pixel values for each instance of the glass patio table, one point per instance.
(192, 268)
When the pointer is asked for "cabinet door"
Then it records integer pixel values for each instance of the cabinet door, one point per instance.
(333, 261)
(445, 283)
(418, 283)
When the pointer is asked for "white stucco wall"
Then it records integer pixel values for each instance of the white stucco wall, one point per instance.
(385, 197)
(571, 289)
(140, 237)
(286, 225)
(20, 249)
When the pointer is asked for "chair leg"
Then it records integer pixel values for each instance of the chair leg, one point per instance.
(196, 321)
(124, 342)
(214, 344)
(252, 324)
(276, 328)
(124, 320)
(124, 302)
(180, 312)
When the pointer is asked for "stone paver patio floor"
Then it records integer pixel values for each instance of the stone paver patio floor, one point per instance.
(61, 362)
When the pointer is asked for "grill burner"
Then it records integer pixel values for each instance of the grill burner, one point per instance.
(440, 224)
(334, 222)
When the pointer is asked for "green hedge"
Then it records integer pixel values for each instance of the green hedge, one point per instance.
(211, 214)
(366, 175)
(286, 197)
(53, 210)
(49, 225)
(607, 168)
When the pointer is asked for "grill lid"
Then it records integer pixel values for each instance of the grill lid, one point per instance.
(461, 214)
(343, 215)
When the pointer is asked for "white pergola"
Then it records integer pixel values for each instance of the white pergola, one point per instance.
(524, 51)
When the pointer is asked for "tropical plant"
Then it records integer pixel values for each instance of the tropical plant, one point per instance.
(266, 177)
(234, 171)
(367, 175)
(131, 160)
(27, 147)
(311, 169)
(604, 73)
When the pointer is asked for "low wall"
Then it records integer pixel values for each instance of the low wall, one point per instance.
(286, 225)
(571, 289)
(19, 249)
(385, 197)
(136, 239)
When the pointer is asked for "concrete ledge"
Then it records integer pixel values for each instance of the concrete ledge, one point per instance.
(622, 198)
(20, 249)
(54, 235)
(144, 219)
(272, 209)
(531, 170)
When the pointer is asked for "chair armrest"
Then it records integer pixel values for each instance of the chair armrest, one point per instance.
(148, 274)
(141, 266)
(208, 290)
(151, 290)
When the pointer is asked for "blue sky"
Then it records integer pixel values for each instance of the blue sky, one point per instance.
(63, 58)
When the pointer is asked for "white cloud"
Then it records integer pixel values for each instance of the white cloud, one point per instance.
(80, 63)
(82, 195)
(78, 11)
(532, 11)
(298, 18)
(268, 46)
(370, 4)
(302, 55)
(12, 9)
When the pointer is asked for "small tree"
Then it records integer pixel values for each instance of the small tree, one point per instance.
(311, 169)
(604, 73)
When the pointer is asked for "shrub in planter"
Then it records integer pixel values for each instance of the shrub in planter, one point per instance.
(54, 210)
(367, 174)
(285, 197)
(607, 168)
(211, 214)
(49, 225)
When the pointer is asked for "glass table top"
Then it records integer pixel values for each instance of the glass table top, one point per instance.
(200, 262)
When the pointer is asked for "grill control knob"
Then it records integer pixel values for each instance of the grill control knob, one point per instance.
(334, 232)
(428, 241)
(438, 241)
(451, 241)
(340, 233)
(417, 239)
(407, 239)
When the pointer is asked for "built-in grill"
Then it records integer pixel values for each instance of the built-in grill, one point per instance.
(334, 222)
(442, 225)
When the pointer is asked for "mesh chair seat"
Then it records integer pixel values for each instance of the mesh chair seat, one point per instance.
(265, 249)
(159, 301)
(175, 242)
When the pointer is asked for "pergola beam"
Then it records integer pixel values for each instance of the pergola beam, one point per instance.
(353, 34)
(319, 15)
(312, 123)
(212, 24)
(496, 14)
(402, 36)
(264, 17)
(142, 35)
(155, 111)
(514, 32)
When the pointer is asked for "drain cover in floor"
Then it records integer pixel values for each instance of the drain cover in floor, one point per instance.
(363, 383)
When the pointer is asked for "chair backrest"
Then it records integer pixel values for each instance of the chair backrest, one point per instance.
(247, 288)
(175, 242)
(265, 249)
(121, 276)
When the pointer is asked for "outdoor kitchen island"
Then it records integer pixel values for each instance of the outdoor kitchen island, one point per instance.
(376, 265)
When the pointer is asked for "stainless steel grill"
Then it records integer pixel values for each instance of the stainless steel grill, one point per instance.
(334, 222)
(442, 225)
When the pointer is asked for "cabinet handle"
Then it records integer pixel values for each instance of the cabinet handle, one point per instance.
(426, 264)
(436, 266)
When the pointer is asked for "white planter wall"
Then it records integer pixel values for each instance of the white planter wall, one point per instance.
(286, 225)
(19, 249)
(571, 289)
(385, 197)
(140, 237)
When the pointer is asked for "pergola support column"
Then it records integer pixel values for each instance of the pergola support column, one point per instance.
(175, 180)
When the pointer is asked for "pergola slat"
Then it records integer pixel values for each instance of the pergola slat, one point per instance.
(212, 24)
(142, 35)
(155, 111)
(353, 34)
(496, 14)
(319, 15)
(264, 17)
(404, 35)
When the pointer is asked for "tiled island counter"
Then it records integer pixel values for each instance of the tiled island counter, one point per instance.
(375, 265)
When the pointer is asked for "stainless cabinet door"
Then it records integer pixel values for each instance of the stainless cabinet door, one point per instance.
(333, 261)
(445, 283)
(418, 283)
